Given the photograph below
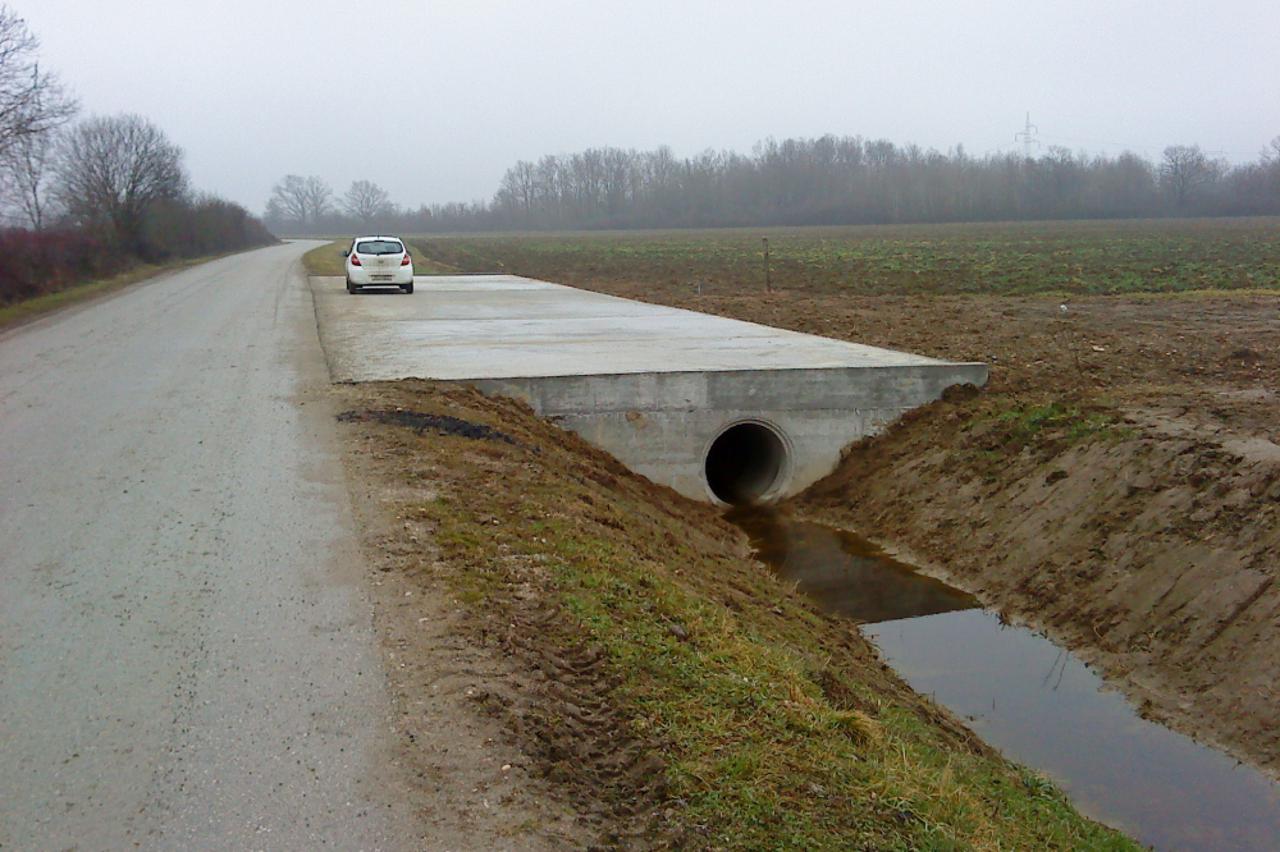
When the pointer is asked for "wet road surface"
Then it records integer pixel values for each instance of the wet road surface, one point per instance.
(186, 655)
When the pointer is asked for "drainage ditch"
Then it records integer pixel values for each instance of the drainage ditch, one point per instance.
(1029, 698)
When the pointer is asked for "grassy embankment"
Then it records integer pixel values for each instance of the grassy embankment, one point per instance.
(328, 260)
(672, 655)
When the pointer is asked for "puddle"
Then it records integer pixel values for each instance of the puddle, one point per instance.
(1034, 701)
(847, 575)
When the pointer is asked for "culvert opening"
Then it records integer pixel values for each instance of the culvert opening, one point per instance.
(744, 463)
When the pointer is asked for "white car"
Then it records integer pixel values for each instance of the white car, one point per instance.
(378, 262)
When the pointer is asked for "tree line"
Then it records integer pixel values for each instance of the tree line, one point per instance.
(89, 198)
(824, 181)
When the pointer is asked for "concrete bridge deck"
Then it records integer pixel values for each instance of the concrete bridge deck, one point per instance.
(714, 407)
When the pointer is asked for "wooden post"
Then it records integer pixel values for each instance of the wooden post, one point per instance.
(768, 282)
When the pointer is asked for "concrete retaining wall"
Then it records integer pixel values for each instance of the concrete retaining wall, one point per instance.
(662, 424)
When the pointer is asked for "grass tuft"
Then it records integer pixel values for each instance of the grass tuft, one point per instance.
(1071, 422)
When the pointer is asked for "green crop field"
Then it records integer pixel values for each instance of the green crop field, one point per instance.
(1172, 255)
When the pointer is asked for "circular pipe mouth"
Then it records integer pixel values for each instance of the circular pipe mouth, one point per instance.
(745, 463)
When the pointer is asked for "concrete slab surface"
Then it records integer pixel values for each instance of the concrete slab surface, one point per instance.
(504, 326)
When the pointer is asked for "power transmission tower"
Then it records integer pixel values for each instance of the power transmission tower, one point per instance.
(1027, 136)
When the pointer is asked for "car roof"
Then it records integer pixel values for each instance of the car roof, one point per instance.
(379, 237)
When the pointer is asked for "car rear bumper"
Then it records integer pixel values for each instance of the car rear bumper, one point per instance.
(398, 278)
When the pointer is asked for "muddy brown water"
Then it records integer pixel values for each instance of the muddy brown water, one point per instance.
(1036, 702)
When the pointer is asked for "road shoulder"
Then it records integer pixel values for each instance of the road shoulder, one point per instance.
(474, 783)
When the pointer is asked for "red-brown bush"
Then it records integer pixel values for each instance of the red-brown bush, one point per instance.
(35, 263)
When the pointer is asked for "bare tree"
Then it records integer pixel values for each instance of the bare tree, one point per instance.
(1270, 156)
(302, 200)
(111, 170)
(1184, 170)
(28, 165)
(287, 199)
(366, 200)
(520, 185)
(31, 101)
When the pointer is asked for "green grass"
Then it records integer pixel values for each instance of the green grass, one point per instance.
(1093, 257)
(758, 751)
(1005, 427)
(1071, 421)
(29, 309)
(327, 260)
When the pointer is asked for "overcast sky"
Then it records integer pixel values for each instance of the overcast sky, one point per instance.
(434, 100)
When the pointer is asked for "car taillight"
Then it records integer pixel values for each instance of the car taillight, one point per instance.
(405, 261)
(355, 259)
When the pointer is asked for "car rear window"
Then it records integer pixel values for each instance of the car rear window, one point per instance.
(379, 247)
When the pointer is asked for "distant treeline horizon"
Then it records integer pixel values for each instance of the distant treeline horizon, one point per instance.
(828, 180)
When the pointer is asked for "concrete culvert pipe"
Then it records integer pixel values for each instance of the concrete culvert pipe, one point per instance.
(745, 463)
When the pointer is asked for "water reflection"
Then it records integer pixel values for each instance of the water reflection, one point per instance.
(1041, 706)
(1034, 701)
(848, 576)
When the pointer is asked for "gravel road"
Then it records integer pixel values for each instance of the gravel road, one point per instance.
(186, 651)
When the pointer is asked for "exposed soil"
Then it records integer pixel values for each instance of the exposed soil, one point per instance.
(1117, 483)
(479, 786)
(511, 668)
(613, 668)
(419, 423)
